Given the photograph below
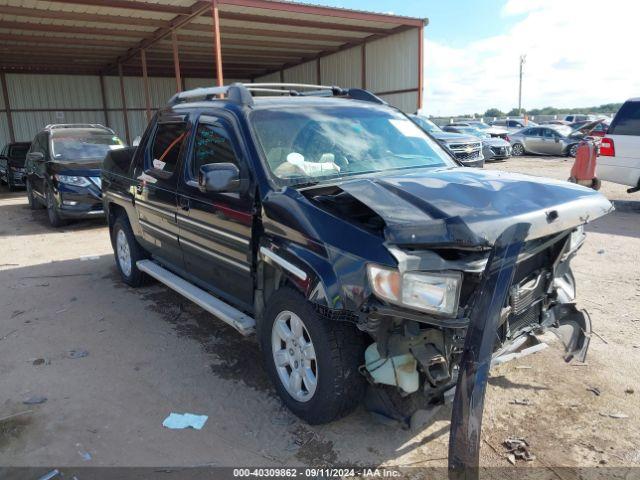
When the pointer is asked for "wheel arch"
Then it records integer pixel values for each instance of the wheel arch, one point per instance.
(296, 267)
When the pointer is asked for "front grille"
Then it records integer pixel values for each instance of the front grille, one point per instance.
(466, 151)
(468, 156)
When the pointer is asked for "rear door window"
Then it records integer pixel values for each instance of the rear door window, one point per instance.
(165, 150)
(18, 152)
(627, 120)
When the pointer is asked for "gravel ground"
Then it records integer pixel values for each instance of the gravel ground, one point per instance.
(150, 352)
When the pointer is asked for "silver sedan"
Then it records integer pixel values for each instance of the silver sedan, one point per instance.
(556, 140)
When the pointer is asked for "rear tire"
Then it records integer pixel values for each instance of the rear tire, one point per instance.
(127, 252)
(517, 150)
(334, 386)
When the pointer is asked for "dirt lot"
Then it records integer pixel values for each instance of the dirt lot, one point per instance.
(150, 352)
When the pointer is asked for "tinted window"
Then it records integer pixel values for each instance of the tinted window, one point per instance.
(38, 143)
(166, 146)
(18, 152)
(627, 120)
(212, 145)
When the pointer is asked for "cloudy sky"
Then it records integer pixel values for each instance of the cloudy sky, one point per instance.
(579, 52)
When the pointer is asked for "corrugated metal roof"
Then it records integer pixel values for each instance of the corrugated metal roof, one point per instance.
(92, 36)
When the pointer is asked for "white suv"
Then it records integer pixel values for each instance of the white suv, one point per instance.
(619, 160)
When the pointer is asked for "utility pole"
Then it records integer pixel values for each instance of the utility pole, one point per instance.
(523, 58)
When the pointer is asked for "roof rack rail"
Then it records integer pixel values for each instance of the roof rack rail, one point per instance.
(242, 92)
(59, 126)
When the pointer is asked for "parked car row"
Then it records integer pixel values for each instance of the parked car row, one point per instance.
(556, 140)
(348, 237)
(61, 169)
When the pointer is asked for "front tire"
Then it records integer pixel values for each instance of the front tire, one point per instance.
(517, 150)
(127, 252)
(573, 151)
(53, 214)
(313, 362)
(34, 204)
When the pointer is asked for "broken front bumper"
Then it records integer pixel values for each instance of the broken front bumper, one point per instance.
(573, 327)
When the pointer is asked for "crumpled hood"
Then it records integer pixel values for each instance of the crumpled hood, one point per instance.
(472, 207)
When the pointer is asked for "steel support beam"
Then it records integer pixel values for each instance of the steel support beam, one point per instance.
(216, 39)
(364, 65)
(104, 101)
(176, 60)
(420, 65)
(124, 106)
(7, 106)
(145, 83)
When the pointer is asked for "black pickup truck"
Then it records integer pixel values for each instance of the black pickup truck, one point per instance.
(346, 238)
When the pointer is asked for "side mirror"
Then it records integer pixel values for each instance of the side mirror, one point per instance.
(35, 156)
(219, 177)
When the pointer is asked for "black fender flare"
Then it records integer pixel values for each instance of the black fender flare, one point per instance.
(309, 272)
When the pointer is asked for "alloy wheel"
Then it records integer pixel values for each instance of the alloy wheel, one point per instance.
(573, 151)
(123, 252)
(517, 150)
(294, 356)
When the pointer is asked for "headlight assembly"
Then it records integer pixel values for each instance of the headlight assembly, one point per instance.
(73, 180)
(433, 292)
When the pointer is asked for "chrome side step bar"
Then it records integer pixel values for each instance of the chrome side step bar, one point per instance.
(225, 312)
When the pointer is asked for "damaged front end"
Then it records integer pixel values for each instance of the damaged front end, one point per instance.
(418, 352)
(442, 232)
(481, 265)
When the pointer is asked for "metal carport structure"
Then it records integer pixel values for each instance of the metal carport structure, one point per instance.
(115, 61)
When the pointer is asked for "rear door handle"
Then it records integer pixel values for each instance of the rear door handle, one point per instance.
(139, 189)
(184, 203)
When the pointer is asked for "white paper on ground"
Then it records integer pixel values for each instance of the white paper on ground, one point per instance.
(184, 420)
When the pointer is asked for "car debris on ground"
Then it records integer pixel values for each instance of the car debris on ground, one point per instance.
(77, 353)
(35, 400)
(614, 415)
(594, 390)
(184, 420)
(518, 448)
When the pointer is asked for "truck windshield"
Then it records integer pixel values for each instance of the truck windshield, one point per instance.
(311, 144)
(78, 146)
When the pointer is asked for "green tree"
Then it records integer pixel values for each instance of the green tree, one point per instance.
(514, 112)
(494, 112)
